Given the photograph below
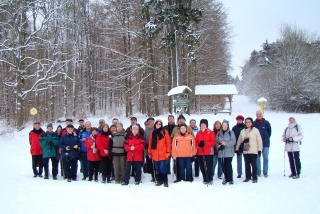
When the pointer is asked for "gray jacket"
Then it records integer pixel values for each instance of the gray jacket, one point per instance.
(230, 140)
(118, 144)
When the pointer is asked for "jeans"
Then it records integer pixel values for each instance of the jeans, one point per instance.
(161, 170)
(265, 156)
(184, 165)
(250, 161)
(215, 162)
(54, 163)
(84, 164)
(239, 164)
(295, 164)
(137, 171)
(37, 161)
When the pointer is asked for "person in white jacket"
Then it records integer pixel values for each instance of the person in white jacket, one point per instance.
(292, 137)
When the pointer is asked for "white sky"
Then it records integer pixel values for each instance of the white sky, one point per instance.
(254, 21)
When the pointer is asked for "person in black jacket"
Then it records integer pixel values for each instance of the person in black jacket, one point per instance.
(70, 146)
(237, 129)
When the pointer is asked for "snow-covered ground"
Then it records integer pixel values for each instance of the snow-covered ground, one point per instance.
(21, 193)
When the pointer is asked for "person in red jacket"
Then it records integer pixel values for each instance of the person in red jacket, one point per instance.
(93, 155)
(104, 144)
(134, 146)
(205, 141)
(159, 150)
(35, 149)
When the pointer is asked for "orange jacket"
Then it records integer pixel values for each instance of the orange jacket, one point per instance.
(209, 138)
(183, 146)
(163, 150)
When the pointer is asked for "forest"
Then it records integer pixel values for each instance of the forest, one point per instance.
(80, 58)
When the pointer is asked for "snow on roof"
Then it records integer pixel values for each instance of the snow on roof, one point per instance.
(178, 90)
(225, 89)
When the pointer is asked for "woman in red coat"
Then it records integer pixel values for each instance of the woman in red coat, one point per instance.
(205, 141)
(159, 150)
(134, 147)
(92, 155)
(35, 149)
(104, 144)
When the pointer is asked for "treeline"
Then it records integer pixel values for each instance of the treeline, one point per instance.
(286, 72)
(75, 58)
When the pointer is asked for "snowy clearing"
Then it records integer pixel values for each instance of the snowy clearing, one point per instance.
(21, 193)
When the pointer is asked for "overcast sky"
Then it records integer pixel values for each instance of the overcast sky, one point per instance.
(254, 21)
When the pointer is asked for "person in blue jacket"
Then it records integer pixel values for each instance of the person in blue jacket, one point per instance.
(83, 156)
(265, 131)
(70, 146)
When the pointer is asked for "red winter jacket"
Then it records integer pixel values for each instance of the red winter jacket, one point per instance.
(34, 140)
(93, 153)
(209, 139)
(136, 154)
(103, 143)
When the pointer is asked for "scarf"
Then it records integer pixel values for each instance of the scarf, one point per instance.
(157, 133)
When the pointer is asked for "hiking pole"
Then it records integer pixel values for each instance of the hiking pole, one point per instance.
(284, 160)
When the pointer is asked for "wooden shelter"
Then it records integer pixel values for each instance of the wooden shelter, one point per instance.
(215, 98)
(180, 98)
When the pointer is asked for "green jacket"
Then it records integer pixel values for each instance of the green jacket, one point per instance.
(49, 143)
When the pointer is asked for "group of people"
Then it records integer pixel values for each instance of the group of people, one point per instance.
(117, 153)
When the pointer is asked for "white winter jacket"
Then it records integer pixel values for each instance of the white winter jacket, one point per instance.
(294, 131)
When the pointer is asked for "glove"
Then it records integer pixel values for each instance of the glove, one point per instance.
(237, 152)
(259, 153)
(201, 144)
(221, 147)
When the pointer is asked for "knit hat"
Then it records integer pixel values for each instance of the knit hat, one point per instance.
(37, 123)
(70, 126)
(135, 127)
(192, 120)
(50, 125)
(240, 117)
(69, 120)
(205, 121)
(181, 117)
(81, 120)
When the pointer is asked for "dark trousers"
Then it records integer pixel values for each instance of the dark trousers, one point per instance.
(148, 167)
(106, 167)
(161, 170)
(70, 168)
(184, 165)
(37, 161)
(250, 161)
(84, 164)
(206, 164)
(136, 167)
(295, 164)
(196, 167)
(93, 169)
(176, 169)
(54, 164)
(226, 164)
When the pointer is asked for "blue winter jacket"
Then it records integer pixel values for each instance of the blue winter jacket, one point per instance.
(84, 135)
(265, 131)
(71, 141)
